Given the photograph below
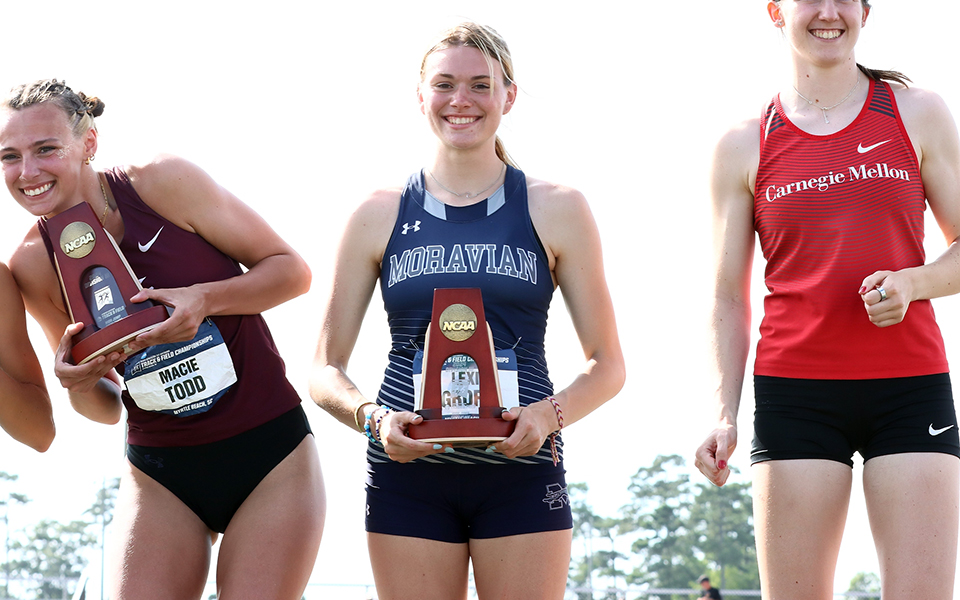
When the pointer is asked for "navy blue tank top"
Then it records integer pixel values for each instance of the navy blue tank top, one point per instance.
(489, 245)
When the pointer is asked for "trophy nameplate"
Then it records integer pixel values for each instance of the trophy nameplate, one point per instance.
(97, 284)
(460, 399)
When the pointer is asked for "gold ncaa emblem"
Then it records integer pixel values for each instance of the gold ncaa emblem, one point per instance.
(77, 239)
(458, 322)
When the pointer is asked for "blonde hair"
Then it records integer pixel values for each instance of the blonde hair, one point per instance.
(79, 108)
(486, 40)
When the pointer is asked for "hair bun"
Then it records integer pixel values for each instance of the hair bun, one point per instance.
(91, 104)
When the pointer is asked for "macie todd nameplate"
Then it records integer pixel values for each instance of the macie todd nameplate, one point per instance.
(459, 393)
(97, 284)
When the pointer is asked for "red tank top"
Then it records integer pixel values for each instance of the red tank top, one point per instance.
(829, 211)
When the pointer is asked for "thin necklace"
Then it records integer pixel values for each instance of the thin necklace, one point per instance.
(824, 109)
(106, 203)
(468, 195)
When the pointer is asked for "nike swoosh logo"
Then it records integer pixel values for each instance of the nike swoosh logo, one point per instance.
(148, 245)
(862, 150)
(936, 432)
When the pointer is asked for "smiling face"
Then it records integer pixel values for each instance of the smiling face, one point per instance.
(463, 95)
(820, 31)
(42, 159)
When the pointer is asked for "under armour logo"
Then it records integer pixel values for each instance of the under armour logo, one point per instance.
(407, 227)
(157, 462)
(556, 496)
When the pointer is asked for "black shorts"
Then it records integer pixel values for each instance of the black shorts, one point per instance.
(456, 503)
(832, 419)
(214, 479)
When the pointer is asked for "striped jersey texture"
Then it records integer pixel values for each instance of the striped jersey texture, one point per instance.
(829, 211)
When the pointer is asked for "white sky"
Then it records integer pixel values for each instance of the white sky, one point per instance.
(302, 108)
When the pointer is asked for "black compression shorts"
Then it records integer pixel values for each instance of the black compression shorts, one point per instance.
(832, 419)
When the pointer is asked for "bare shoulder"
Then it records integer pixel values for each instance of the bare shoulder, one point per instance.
(740, 145)
(371, 224)
(31, 268)
(924, 113)
(554, 201)
(176, 188)
(164, 170)
(37, 282)
(915, 101)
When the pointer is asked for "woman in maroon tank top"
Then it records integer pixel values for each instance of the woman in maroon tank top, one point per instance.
(808, 425)
(48, 140)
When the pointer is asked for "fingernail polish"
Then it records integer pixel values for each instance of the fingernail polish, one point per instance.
(722, 464)
(437, 446)
(449, 450)
(490, 450)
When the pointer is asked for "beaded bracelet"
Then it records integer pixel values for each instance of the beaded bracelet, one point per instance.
(386, 411)
(367, 432)
(553, 436)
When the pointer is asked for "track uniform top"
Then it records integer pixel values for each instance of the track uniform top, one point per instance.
(490, 245)
(166, 256)
(829, 211)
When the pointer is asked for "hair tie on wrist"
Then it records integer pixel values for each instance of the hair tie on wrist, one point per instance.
(553, 436)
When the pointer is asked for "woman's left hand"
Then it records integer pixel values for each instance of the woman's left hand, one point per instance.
(886, 296)
(182, 325)
(534, 423)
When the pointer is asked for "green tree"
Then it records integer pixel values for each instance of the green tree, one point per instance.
(659, 516)
(721, 519)
(598, 536)
(865, 582)
(51, 556)
(6, 501)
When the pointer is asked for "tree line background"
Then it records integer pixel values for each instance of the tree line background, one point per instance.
(670, 533)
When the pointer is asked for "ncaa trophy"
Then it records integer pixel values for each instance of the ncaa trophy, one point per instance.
(459, 398)
(97, 284)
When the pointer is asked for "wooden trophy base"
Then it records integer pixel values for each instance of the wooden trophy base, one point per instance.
(463, 433)
(115, 337)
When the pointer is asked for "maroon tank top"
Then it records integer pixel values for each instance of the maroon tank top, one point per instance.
(166, 256)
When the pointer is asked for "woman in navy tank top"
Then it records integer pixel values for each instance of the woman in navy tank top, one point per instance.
(241, 461)
(25, 410)
(469, 219)
(834, 178)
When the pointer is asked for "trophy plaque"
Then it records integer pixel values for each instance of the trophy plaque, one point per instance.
(97, 284)
(459, 398)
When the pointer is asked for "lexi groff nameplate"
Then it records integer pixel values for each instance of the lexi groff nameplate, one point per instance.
(459, 394)
(97, 284)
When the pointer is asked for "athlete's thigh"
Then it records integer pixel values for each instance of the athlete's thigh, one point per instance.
(799, 508)
(409, 568)
(912, 504)
(532, 566)
(161, 549)
(270, 547)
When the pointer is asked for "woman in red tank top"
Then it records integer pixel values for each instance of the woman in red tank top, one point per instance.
(831, 151)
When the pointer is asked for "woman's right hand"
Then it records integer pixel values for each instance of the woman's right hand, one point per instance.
(83, 378)
(713, 455)
(397, 444)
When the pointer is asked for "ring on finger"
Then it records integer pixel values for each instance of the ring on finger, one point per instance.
(883, 294)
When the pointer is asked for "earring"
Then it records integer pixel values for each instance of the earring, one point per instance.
(779, 23)
(89, 159)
